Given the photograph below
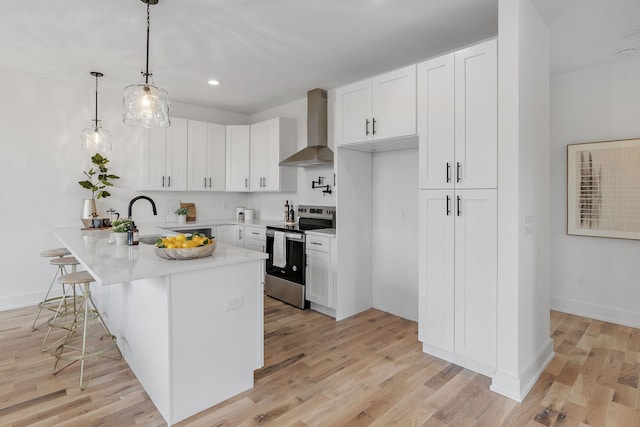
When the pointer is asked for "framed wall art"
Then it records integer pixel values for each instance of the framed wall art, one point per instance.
(603, 189)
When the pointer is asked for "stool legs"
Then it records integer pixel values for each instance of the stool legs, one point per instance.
(62, 311)
(60, 271)
(91, 321)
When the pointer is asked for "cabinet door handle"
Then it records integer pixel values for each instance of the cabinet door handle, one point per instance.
(448, 205)
(205, 182)
(255, 233)
(209, 182)
(458, 206)
(169, 181)
(162, 181)
(246, 182)
(448, 172)
(373, 127)
(458, 168)
(366, 126)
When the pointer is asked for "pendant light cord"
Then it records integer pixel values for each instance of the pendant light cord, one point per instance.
(146, 74)
(96, 119)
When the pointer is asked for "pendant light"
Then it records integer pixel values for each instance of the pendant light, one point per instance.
(95, 138)
(145, 104)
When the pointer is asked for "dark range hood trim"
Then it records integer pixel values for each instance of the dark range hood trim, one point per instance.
(316, 153)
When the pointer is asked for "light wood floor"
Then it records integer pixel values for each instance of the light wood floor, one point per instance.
(365, 370)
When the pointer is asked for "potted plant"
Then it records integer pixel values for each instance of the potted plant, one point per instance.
(182, 214)
(97, 181)
(120, 229)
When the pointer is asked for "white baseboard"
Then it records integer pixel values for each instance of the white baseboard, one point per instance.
(598, 312)
(19, 301)
(25, 300)
(324, 310)
(518, 388)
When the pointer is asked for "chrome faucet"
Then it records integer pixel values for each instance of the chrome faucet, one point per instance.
(153, 205)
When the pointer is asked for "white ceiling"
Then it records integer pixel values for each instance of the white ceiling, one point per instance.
(269, 52)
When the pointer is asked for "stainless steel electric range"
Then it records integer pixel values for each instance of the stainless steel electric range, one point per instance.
(286, 246)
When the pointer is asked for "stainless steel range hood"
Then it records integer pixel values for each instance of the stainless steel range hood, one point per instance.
(316, 153)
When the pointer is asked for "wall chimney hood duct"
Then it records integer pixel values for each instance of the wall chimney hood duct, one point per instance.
(316, 153)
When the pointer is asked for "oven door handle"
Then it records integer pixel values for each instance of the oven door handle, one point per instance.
(289, 236)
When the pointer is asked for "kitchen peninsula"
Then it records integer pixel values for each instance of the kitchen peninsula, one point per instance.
(191, 331)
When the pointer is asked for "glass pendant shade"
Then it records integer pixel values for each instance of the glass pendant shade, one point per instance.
(96, 139)
(146, 105)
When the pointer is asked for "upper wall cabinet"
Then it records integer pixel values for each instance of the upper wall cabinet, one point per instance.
(272, 141)
(164, 164)
(237, 155)
(457, 119)
(379, 108)
(207, 158)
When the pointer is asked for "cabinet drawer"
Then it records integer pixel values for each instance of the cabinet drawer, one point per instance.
(254, 232)
(317, 243)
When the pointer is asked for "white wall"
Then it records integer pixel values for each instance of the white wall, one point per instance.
(40, 124)
(395, 232)
(524, 347)
(590, 276)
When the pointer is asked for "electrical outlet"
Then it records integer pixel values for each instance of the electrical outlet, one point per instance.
(233, 303)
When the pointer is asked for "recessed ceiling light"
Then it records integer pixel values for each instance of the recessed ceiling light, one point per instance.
(213, 82)
(628, 51)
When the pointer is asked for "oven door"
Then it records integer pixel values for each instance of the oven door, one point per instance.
(293, 270)
(287, 283)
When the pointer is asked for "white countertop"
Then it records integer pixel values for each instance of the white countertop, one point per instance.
(109, 263)
(330, 232)
(203, 223)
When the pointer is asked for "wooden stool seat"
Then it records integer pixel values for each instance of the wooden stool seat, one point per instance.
(57, 252)
(76, 278)
(96, 340)
(66, 260)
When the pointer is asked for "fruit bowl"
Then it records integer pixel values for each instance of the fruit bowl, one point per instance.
(187, 253)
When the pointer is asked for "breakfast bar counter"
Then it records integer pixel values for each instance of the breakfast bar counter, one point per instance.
(191, 330)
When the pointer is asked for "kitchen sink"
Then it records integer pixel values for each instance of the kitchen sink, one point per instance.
(151, 239)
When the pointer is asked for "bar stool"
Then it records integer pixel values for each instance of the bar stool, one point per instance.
(49, 303)
(94, 331)
(67, 303)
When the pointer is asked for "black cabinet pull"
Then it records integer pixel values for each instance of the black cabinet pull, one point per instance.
(458, 207)
(458, 167)
(448, 172)
(366, 126)
(448, 205)
(209, 182)
(374, 126)
(169, 181)
(205, 182)
(162, 181)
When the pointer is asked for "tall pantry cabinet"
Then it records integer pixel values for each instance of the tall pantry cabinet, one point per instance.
(457, 125)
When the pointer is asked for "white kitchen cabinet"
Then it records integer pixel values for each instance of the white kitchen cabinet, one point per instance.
(227, 234)
(457, 119)
(272, 141)
(379, 108)
(458, 276)
(207, 156)
(319, 271)
(238, 143)
(255, 238)
(164, 164)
